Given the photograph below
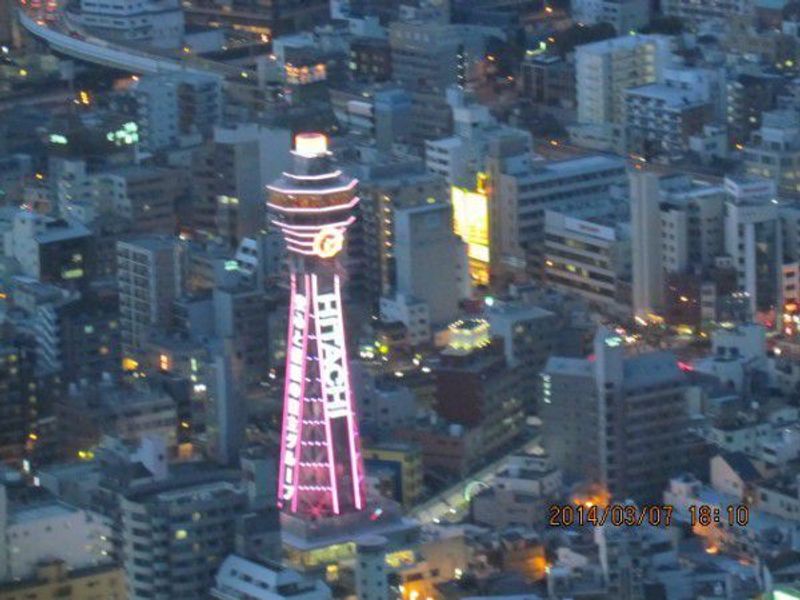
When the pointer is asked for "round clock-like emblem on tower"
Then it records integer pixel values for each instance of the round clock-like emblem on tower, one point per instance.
(328, 242)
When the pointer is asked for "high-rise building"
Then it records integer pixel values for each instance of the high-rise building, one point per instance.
(753, 240)
(616, 420)
(676, 227)
(774, 152)
(149, 281)
(144, 198)
(176, 107)
(459, 158)
(521, 190)
(371, 572)
(229, 173)
(604, 71)
(387, 183)
(321, 470)
(168, 524)
(428, 56)
(18, 401)
(419, 233)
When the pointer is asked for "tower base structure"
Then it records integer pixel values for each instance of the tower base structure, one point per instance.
(314, 546)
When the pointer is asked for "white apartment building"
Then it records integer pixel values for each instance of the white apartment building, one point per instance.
(241, 579)
(148, 271)
(50, 530)
(604, 71)
(157, 22)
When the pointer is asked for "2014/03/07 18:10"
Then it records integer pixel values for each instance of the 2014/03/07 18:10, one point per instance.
(733, 515)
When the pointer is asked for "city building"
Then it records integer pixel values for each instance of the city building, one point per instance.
(269, 20)
(144, 197)
(48, 249)
(712, 9)
(242, 579)
(18, 397)
(529, 333)
(774, 152)
(660, 119)
(428, 56)
(189, 510)
(421, 232)
(699, 266)
(387, 183)
(128, 412)
(549, 80)
(519, 495)
(753, 241)
(49, 530)
(402, 464)
(522, 189)
(370, 59)
(589, 257)
(156, 22)
(604, 71)
(459, 158)
(174, 109)
(54, 581)
(625, 15)
(149, 281)
(475, 387)
(229, 174)
(371, 572)
(619, 421)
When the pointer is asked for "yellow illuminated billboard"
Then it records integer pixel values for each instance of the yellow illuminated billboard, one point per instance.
(471, 223)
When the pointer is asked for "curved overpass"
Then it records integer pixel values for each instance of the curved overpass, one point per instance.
(102, 52)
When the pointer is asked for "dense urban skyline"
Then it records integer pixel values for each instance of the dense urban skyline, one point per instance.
(400, 299)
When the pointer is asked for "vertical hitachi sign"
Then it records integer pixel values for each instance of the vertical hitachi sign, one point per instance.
(295, 382)
(333, 367)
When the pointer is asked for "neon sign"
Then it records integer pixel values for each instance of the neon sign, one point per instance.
(295, 383)
(333, 368)
(328, 242)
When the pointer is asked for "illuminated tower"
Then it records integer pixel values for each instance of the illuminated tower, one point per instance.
(321, 470)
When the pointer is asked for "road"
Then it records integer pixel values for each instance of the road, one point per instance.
(450, 505)
(59, 29)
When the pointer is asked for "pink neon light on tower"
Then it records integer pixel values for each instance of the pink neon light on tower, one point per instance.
(321, 470)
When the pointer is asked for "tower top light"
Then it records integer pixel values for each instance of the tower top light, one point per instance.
(311, 145)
